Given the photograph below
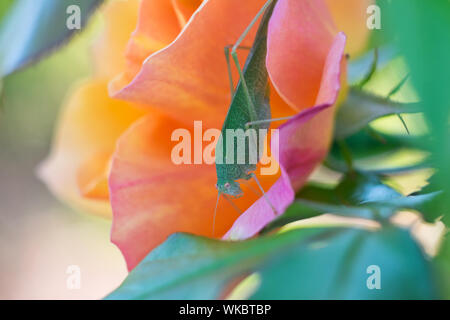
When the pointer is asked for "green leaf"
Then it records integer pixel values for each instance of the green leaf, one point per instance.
(336, 268)
(435, 208)
(32, 29)
(361, 108)
(305, 263)
(191, 267)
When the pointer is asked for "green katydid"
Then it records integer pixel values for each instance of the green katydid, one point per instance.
(249, 109)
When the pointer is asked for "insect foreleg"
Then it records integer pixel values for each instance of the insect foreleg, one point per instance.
(230, 74)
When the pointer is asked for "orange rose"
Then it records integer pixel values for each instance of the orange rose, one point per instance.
(184, 78)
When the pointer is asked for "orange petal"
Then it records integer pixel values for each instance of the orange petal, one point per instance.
(157, 27)
(188, 80)
(278, 107)
(184, 9)
(300, 37)
(120, 18)
(89, 126)
(152, 197)
(350, 17)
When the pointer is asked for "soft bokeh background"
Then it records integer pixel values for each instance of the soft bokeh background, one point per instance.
(39, 236)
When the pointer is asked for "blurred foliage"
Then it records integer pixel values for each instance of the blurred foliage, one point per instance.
(4, 7)
(420, 31)
(27, 120)
(292, 265)
(42, 28)
(442, 267)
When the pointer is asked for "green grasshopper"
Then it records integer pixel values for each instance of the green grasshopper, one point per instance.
(249, 109)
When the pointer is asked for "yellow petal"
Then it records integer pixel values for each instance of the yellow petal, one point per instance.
(157, 26)
(350, 17)
(120, 19)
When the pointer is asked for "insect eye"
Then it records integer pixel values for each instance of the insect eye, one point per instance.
(227, 185)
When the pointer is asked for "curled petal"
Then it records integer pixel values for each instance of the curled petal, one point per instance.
(157, 26)
(188, 80)
(300, 36)
(120, 20)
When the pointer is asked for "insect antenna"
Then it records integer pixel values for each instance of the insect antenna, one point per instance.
(217, 204)
(215, 212)
(232, 203)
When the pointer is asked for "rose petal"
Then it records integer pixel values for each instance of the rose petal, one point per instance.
(89, 126)
(300, 36)
(92, 176)
(303, 143)
(157, 26)
(188, 80)
(120, 20)
(184, 9)
(152, 197)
